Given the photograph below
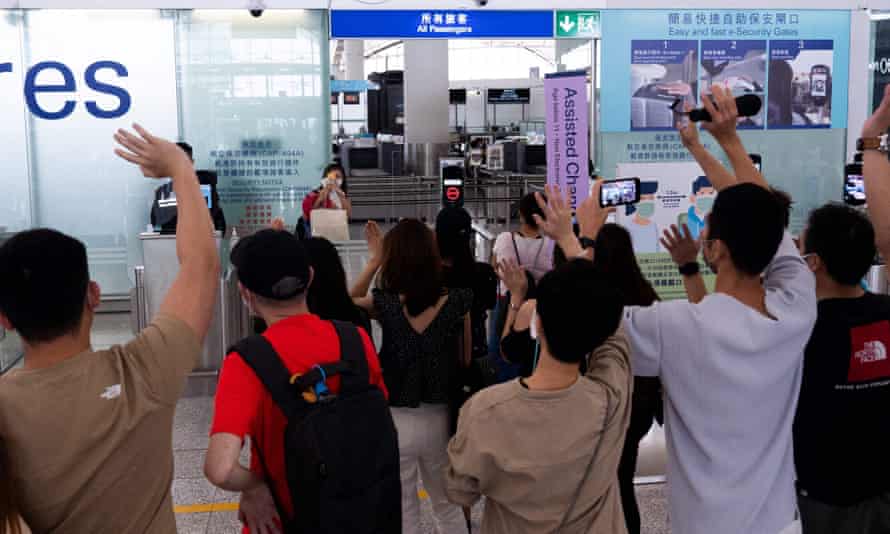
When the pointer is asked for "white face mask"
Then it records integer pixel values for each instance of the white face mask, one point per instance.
(533, 327)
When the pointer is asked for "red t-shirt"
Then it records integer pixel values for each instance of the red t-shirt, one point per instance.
(244, 408)
(309, 201)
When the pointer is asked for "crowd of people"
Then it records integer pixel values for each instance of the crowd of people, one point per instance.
(771, 388)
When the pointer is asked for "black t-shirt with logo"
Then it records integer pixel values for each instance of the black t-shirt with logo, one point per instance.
(842, 427)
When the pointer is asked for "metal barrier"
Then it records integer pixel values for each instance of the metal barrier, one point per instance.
(490, 197)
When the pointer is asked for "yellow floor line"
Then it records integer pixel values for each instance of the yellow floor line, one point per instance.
(213, 507)
(233, 506)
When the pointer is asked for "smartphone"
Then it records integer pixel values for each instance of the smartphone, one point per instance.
(854, 185)
(820, 76)
(207, 192)
(620, 192)
(757, 161)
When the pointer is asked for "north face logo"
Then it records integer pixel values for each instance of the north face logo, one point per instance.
(874, 351)
(868, 352)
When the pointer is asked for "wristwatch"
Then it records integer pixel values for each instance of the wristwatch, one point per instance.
(880, 143)
(689, 269)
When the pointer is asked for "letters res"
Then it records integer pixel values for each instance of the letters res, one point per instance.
(33, 87)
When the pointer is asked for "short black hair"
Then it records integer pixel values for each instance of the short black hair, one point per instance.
(187, 148)
(528, 207)
(562, 293)
(844, 239)
(750, 222)
(786, 202)
(43, 284)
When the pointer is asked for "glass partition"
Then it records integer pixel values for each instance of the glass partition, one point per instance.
(255, 107)
(247, 93)
(15, 209)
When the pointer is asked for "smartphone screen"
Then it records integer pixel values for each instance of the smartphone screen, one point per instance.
(854, 185)
(620, 192)
(819, 85)
(208, 197)
(819, 80)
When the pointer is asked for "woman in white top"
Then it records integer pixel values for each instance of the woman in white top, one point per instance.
(529, 248)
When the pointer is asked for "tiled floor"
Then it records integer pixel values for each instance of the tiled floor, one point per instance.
(191, 490)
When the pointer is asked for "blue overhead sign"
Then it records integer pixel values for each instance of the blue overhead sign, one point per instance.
(440, 24)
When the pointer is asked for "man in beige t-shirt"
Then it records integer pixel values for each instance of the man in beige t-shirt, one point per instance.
(544, 451)
(89, 432)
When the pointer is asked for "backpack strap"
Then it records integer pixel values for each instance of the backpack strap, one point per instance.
(354, 375)
(260, 355)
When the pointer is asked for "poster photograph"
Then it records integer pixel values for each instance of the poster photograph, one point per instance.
(671, 193)
(739, 65)
(800, 83)
(662, 72)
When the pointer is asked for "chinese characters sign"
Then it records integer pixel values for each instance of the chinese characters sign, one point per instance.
(440, 23)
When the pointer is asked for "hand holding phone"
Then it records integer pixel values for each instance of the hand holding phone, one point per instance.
(619, 192)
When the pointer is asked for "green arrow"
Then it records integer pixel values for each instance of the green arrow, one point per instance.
(566, 24)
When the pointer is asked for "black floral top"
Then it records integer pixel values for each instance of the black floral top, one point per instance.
(419, 367)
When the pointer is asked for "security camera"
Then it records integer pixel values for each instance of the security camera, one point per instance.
(256, 8)
(482, 3)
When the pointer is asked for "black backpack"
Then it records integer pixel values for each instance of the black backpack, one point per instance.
(342, 452)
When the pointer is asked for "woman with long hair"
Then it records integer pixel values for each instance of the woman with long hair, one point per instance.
(328, 296)
(426, 337)
(528, 248)
(614, 255)
(10, 520)
(461, 270)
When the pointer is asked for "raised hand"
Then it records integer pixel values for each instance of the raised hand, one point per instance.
(156, 157)
(592, 216)
(879, 122)
(688, 131)
(724, 114)
(557, 221)
(514, 277)
(374, 237)
(682, 247)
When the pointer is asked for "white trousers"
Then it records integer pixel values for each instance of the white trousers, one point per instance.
(423, 440)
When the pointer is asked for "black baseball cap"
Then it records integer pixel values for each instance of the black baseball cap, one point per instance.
(455, 221)
(273, 264)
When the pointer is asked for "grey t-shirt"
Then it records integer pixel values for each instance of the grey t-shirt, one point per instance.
(731, 378)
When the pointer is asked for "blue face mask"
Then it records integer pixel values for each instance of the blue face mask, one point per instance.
(704, 204)
(646, 209)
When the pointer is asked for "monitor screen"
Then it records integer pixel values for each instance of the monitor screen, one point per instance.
(335, 99)
(509, 96)
(351, 99)
(457, 96)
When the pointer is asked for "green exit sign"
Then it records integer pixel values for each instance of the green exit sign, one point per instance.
(577, 24)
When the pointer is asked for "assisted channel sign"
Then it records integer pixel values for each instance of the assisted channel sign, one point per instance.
(567, 144)
(577, 24)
